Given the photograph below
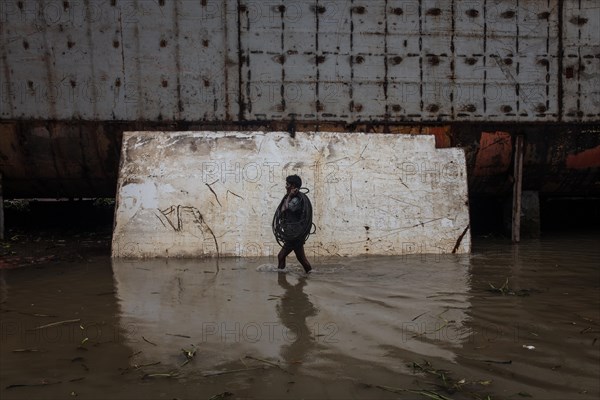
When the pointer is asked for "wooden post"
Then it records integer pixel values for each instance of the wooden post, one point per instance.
(518, 180)
(1, 211)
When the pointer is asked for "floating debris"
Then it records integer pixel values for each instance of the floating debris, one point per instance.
(221, 396)
(68, 321)
(31, 314)
(426, 393)
(42, 383)
(178, 335)
(137, 366)
(420, 315)
(448, 384)
(146, 340)
(488, 361)
(172, 374)
(505, 290)
(232, 371)
(28, 351)
(269, 363)
(135, 354)
(189, 354)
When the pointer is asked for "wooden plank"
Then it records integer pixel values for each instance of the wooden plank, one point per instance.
(1, 211)
(518, 180)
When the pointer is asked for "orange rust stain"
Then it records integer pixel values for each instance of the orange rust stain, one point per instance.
(586, 159)
(442, 135)
(400, 129)
(494, 154)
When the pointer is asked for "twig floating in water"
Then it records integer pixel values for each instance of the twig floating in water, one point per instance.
(420, 315)
(163, 375)
(427, 393)
(146, 340)
(135, 354)
(232, 371)
(497, 361)
(488, 361)
(183, 336)
(68, 321)
(43, 383)
(221, 396)
(269, 363)
(28, 351)
(35, 314)
(146, 365)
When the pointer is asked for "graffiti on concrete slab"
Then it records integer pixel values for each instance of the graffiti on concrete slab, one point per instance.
(177, 217)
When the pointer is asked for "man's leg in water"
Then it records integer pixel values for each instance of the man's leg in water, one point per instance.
(301, 256)
(282, 255)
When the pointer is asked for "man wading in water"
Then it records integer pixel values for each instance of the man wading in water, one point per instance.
(292, 223)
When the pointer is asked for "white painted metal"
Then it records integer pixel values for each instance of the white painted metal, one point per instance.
(582, 60)
(397, 60)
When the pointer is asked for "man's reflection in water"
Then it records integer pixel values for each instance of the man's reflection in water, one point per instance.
(293, 310)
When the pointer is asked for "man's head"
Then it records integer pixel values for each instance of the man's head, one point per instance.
(294, 181)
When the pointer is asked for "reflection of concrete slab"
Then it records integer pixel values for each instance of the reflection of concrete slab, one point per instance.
(165, 301)
(189, 194)
(376, 311)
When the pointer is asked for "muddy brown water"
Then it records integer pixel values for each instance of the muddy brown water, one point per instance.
(405, 327)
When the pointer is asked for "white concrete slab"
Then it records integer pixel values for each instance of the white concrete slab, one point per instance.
(193, 194)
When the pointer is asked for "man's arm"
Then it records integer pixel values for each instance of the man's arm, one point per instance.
(285, 204)
(294, 204)
(289, 197)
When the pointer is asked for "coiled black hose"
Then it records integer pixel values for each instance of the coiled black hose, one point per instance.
(286, 231)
